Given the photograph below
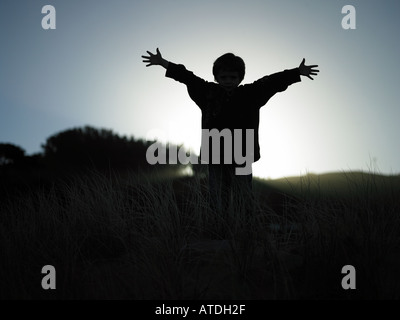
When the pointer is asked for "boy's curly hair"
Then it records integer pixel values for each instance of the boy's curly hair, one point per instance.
(229, 62)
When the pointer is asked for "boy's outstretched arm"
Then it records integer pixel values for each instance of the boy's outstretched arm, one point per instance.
(308, 71)
(155, 59)
(177, 72)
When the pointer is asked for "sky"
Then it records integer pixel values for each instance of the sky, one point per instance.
(89, 71)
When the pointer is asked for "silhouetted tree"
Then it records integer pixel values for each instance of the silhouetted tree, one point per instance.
(88, 146)
(11, 154)
(95, 148)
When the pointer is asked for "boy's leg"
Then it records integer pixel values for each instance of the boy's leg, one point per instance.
(214, 184)
(243, 192)
(228, 174)
(245, 232)
(220, 185)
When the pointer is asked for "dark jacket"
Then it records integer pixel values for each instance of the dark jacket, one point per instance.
(238, 109)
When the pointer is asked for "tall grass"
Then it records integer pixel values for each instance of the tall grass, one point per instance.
(130, 236)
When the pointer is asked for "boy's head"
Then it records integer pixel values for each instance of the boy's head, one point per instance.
(228, 70)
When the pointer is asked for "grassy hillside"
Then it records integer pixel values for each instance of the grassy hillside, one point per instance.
(340, 185)
(130, 236)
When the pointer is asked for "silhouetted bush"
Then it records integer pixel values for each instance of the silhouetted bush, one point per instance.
(11, 154)
(89, 147)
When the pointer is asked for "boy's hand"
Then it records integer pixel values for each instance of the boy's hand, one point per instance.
(155, 59)
(308, 71)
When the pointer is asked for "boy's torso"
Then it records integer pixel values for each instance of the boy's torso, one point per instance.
(222, 109)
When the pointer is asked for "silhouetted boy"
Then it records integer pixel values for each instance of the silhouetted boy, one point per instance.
(228, 105)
